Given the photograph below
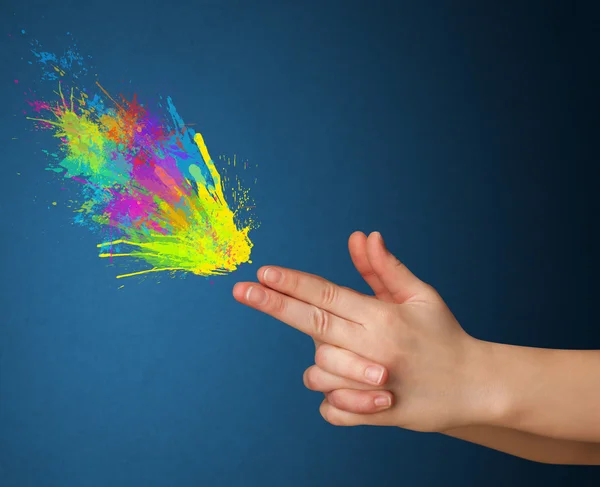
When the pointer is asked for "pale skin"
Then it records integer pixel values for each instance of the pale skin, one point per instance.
(400, 358)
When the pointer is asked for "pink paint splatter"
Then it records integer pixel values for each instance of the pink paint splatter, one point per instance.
(38, 105)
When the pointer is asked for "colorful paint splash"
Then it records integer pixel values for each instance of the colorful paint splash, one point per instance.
(146, 180)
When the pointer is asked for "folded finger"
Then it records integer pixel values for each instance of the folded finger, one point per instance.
(339, 417)
(360, 402)
(345, 363)
(317, 379)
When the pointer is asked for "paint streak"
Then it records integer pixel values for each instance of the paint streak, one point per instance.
(147, 181)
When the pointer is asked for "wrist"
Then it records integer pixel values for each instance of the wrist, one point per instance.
(491, 401)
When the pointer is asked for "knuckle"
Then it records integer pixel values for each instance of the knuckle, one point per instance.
(398, 264)
(340, 420)
(321, 354)
(291, 279)
(368, 274)
(310, 380)
(333, 418)
(430, 291)
(278, 303)
(319, 321)
(328, 293)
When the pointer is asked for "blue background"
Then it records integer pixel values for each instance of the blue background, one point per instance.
(464, 131)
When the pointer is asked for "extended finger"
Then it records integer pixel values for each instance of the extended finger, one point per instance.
(309, 319)
(319, 292)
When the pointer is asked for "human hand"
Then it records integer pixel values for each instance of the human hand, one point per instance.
(341, 390)
(434, 366)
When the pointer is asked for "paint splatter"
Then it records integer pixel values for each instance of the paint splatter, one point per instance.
(146, 180)
(55, 66)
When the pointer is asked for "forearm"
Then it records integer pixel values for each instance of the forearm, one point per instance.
(552, 393)
(529, 446)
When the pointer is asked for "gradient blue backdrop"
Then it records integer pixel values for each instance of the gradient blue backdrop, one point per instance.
(463, 132)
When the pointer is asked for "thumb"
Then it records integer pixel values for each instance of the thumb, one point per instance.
(357, 245)
(400, 282)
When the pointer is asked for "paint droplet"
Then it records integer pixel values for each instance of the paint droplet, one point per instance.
(122, 286)
(54, 203)
(22, 31)
(16, 81)
(18, 174)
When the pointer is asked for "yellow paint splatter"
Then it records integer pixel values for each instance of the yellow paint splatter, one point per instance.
(135, 181)
(190, 247)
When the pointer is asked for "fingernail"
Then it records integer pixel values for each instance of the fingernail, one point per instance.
(382, 242)
(272, 275)
(374, 373)
(256, 295)
(383, 401)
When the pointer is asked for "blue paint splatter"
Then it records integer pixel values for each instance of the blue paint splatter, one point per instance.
(70, 62)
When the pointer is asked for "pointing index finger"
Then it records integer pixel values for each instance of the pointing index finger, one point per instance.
(307, 318)
(315, 290)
